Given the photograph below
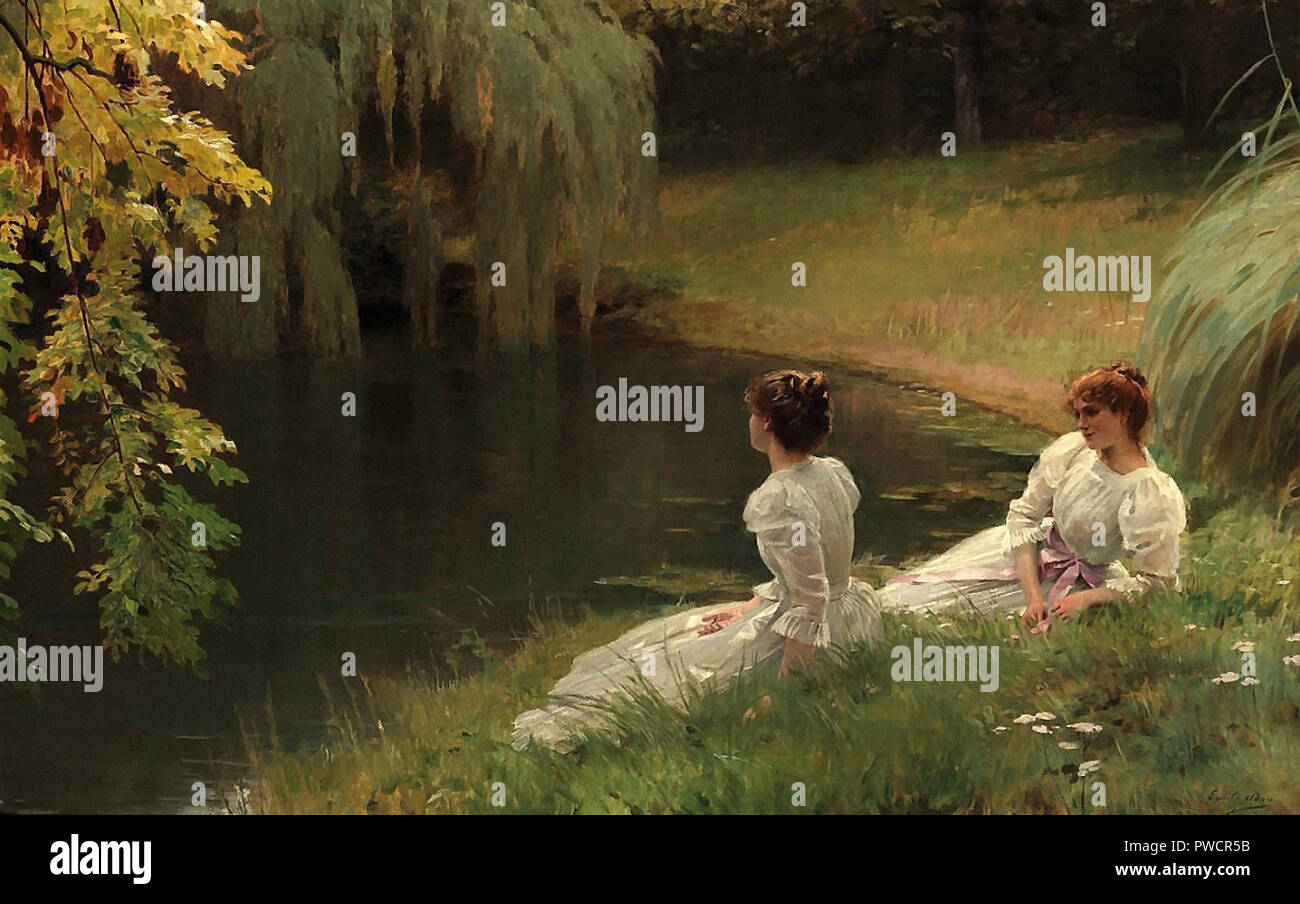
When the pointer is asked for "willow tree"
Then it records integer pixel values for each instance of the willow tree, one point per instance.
(1222, 338)
(552, 100)
(99, 172)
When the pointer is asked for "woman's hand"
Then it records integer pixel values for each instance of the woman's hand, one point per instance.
(716, 621)
(1036, 616)
(1072, 604)
(1068, 606)
(797, 655)
(1027, 571)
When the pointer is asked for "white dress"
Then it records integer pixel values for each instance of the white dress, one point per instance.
(1099, 516)
(803, 520)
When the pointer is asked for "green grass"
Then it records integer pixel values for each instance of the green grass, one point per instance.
(934, 267)
(1172, 740)
(925, 265)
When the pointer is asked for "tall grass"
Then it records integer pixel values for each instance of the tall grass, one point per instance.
(1172, 740)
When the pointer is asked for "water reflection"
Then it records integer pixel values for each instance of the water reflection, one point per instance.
(371, 535)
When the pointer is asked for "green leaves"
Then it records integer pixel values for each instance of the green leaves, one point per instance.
(117, 434)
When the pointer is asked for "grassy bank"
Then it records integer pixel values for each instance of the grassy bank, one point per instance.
(1172, 740)
(922, 270)
(919, 269)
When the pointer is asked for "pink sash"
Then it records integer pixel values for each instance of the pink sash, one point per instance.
(1055, 561)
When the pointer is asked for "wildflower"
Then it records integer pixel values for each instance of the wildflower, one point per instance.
(1042, 729)
(1088, 767)
(1023, 719)
(1244, 646)
(1067, 745)
(1000, 729)
(1291, 660)
(1046, 717)
(1246, 681)
(1085, 727)
(1190, 627)
(1293, 638)
(1226, 678)
(1283, 583)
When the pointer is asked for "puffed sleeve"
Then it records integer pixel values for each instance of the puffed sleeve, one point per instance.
(845, 480)
(785, 520)
(1152, 516)
(1025, 514)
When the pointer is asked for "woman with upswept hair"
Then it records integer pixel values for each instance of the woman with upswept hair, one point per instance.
(802, 517)
(1094, 497)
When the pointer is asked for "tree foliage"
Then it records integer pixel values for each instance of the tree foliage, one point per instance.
(98, 173)
(551, 102)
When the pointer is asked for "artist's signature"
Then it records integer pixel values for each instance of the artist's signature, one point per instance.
(1238, 801)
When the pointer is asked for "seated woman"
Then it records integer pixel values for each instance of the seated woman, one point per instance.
(1106, 498)
(802, 516)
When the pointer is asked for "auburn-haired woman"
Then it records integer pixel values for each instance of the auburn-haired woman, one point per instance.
(802, 516)
(1094, 497)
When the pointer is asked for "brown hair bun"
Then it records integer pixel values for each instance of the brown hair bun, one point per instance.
(797, 404)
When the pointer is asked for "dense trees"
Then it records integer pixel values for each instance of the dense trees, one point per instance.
(985, 69)
(535, 111)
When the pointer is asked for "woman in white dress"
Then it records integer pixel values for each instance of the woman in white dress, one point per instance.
(1093, 497)
(802, 516)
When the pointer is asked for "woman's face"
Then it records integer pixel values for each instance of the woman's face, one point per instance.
(1100, 425)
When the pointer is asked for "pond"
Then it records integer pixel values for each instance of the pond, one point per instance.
(372, 535)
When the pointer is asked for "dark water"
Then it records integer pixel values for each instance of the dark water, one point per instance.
(372, 535)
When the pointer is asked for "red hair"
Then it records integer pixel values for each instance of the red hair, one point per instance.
(1122, 388)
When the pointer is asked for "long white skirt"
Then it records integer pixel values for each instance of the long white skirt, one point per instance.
(938, 595)
(670, 656)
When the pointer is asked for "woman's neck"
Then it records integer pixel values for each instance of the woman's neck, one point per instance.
(1123, 456)
(781, 458)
